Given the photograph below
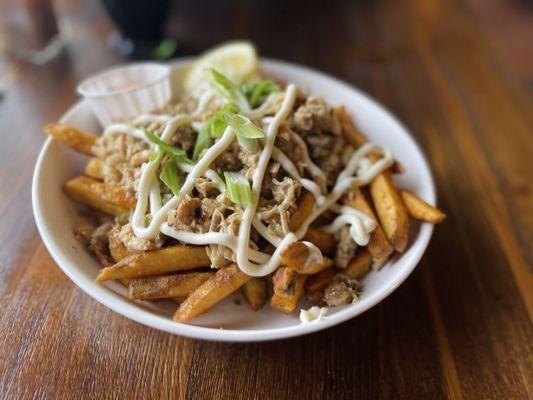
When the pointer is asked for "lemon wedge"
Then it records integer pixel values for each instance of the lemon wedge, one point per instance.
(237, 60)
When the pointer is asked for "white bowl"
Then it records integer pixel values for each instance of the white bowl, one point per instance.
(229, 321)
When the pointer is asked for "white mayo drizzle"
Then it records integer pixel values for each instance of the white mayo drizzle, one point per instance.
(346, 180)
(309, 164)
(314, 314)
(244, 229)
(314, 255)
(289, 166)
(138, 220)
(250, 261)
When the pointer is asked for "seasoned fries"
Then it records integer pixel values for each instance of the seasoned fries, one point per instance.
(226, 281)
(302, 204)
(74, 138)
(305, 205)
(288, 288)
(315, 285)
(324, 241)
(95, 168)
(379, 246)
(156, 262)
(256, 293)
(164, 287)
(353, 135)
(359, 265)
(390, 210)
(419, 209)
(299, 258)
(117, 249)
(106, 197)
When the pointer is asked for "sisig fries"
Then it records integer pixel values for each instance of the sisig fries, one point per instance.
(246, 186)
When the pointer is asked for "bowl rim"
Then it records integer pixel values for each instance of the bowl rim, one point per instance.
(134, 312)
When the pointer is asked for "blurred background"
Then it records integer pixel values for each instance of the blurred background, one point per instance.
(81, 37)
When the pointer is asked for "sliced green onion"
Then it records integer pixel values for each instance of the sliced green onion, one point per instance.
(217, 124)
(242, 126)
(258, 93)
(154, 155)
(228, 89)
(203, 141)
(179, 155)
(238, 188)
(250, 145)
(170, 177)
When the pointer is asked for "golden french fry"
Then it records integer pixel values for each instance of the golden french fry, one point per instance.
(156, 262)
(226, 281)
(390, 210)
(255, 292)
(324, 241)
(419, 209)
(305, 205)
(359, 265)
(352, 135)
(107, 197)
(315, 285)
(288, 288)
(299, 258)
(95, 168)
(378, 245)
(169, 286)
(72, 137)
(117, 249)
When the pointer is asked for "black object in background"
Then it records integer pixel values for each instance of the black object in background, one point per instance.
(141, 28)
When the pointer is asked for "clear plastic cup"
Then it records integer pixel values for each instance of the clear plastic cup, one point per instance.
(126, 92)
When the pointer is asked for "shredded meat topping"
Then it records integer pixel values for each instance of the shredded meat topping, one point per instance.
(134, 243)
(206, 209)
(342, 290)
(346, 247)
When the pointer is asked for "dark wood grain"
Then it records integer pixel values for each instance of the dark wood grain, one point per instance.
(459, 327)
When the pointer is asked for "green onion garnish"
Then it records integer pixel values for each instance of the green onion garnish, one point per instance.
(228, 89)
(242, 126)
(170, 177)
(203, 141)
(238, 188)
(178, 155)
(256, 94)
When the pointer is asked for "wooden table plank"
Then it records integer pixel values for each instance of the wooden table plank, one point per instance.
(460, 327)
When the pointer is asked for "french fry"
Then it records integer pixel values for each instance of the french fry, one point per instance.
(352, 135)
(102, 254)
(156, 262)
(324, 241)
(72, 137)
(359, 265)
(164, 287)
(315, 285)
(288, 288)
(226, 281)
(255, 292)
(95, 168)
(117, 249)
(390, 210)
(305, 205)
(419, 209)
(378, 245)
(298, 257)
(107, 197)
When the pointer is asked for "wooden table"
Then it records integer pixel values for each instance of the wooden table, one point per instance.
(460, 327)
